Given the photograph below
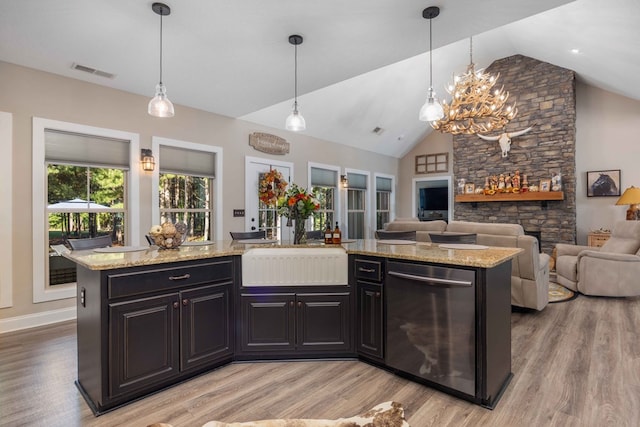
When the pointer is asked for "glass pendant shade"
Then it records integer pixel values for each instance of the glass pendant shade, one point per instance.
(431, 110)
(160, 106)
(295, 121)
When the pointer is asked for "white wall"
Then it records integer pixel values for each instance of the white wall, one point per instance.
(28, 93)
(606, 138)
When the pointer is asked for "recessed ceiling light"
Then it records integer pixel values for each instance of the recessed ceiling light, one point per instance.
(575, 51)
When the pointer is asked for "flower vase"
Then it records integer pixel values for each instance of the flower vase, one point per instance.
(299, 232)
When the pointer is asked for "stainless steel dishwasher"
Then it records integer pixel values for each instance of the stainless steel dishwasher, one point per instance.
(431, 331)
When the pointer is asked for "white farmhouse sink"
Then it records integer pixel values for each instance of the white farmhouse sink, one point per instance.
(305, 266)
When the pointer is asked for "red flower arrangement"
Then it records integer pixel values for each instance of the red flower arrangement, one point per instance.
(272, 187)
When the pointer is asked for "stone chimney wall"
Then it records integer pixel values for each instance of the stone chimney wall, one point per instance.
(545, 98)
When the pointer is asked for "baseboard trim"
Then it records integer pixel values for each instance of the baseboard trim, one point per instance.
(37, 319)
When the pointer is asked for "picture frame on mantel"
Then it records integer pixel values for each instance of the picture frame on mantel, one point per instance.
(605, 183)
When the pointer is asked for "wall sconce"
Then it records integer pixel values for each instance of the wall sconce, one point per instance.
(344, 181)
(147, 160)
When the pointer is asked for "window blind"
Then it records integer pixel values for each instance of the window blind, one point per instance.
(357, 181)
(183, 161)
(79, 149)
(383, 184)
(323, 177)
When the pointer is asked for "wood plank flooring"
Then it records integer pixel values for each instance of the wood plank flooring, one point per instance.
(575, 364)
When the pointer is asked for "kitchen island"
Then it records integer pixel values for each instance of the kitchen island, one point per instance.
(148, 319)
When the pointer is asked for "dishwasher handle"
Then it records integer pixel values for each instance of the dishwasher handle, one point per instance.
(433, 280)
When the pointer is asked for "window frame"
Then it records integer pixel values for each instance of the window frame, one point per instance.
(216, 185)
(41, 290)
(6, 231)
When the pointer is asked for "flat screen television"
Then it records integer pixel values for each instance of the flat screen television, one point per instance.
(434, 199)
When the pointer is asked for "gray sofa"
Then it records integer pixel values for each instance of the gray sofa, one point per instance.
(611, 270)
(529, 270)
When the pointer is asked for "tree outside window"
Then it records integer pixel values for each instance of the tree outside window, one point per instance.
(326, 214)
(188, 199)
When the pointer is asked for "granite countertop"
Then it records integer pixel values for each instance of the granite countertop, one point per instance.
(419, 251)
(429, 252)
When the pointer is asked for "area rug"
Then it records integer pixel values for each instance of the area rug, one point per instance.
(558, 293)
(387, 414)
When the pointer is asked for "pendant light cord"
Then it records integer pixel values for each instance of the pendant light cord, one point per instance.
(295, 78)
(161, 46)
(430, 53)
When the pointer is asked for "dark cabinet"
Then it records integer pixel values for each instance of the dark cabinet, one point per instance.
(145, 328)
(144, 342)
(370, 320)
(368, 275)
(205, 325)
(277, 324)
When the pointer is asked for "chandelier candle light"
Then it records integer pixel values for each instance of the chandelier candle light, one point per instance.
(160, 106)
(475, 106)
(295, 121)
(431, 110)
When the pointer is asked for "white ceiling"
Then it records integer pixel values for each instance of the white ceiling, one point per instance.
(363, 63)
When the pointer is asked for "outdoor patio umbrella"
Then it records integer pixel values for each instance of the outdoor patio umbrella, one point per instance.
(76, 206)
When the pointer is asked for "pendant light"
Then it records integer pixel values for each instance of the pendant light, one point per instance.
(160, 106)
(431, 110)
(295, 121)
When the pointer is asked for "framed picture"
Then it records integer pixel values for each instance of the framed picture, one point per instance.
(432, 163)
(545, 185)
(469, 188)
(421, 164)
(603, 183)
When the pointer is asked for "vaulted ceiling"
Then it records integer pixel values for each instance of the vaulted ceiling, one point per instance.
(363, 63)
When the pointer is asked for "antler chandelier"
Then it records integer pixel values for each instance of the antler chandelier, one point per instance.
(475, 106)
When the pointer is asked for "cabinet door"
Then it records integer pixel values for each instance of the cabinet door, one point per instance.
(205, 325)
(369, 317)
(143, 336)
(268, 323)
(323, 322)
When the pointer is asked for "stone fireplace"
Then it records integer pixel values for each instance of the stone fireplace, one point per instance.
(545, 98)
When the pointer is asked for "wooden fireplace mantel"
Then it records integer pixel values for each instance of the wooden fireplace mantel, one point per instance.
(531, 196)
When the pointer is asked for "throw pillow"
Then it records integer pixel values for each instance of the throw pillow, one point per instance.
(620, 245)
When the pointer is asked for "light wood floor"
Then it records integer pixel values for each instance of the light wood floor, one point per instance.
(575, 364)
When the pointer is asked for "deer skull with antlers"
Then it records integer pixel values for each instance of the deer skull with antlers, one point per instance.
(505, 139)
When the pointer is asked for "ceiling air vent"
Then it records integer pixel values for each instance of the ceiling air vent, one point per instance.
(377, 130)
(92, 71)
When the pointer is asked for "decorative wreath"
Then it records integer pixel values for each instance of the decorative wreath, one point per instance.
(272, 187)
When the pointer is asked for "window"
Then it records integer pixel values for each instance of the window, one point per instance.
(82, 202)
(356, 205)
(187, 198)
(324, 189)
(187, 186)
(384, 189)
(72, 161)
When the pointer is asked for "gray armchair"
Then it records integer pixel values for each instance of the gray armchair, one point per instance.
(611, 270)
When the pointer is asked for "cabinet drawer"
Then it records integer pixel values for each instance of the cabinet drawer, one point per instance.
(162, 279)
(367, 269)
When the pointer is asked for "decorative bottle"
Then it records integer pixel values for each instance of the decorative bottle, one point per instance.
(337, 235)
(328, 234)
